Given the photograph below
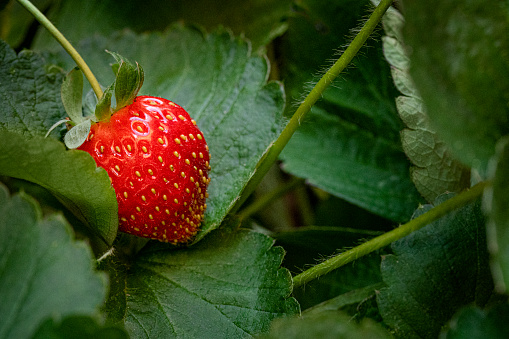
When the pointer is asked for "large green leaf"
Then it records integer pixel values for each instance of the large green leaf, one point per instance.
(459, 63)
(72, 176)
(29, 93)
(350, 146)
(43, 272)
(434, 271)
(230, 285)
(474, 323)
(259, 20)
(220, 84)
(435, 171)
(352, 163)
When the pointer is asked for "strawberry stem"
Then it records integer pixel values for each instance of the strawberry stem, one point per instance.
(391, 236)
(39, 16)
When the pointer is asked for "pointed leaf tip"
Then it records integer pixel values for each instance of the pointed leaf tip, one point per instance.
(129, 79)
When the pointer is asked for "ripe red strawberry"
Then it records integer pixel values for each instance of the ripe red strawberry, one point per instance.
(158, 163)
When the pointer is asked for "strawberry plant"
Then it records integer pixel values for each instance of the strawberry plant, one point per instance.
(200, 170)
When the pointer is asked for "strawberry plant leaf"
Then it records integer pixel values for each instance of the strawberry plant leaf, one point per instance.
(78, 327)
(258, 20)
(37, 278)
(349, 162)
(327, 324)
(29, 93)
(218, 281)
(496, 202)
(450, 42)
(77, 135)
(434, 271)
(220, 84)
(351, 140)
(475, 323)
(72, 176)
(435, 171)
(72, 95)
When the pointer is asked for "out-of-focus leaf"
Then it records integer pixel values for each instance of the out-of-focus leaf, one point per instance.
(474, 323)
(325, 325)
(435, 271)
(43, 272)
(78, 327)
(459, 63)
(259, 20)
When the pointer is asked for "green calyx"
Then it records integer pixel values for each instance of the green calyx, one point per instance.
(128, 81)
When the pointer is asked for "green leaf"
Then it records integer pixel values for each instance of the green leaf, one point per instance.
(77, 135)
(220, 84)
(103, 109)
(352, 163)
(72, 176)
(451, 42)
(474, 323)
(434, 271)
(128, 81)
(78, 327)
(229, 285)
(43, 272)
(30, 100)
(72, 94)
(496, 202)
(435, 171)
(325, 325)
(258, 20)
(350, 145)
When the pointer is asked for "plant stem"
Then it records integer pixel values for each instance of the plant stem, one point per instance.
(316, 93)
(39, 16)
(391, 236)
(268, 198)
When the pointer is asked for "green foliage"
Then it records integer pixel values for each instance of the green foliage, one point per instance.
(434, 271)
(460, 59)
(420, 112)
(38, 279)
(218, 286)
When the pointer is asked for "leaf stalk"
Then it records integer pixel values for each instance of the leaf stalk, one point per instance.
(39, 16)
(387, 238)
(316, 93)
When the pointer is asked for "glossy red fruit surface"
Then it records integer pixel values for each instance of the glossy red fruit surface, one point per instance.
(158, 162)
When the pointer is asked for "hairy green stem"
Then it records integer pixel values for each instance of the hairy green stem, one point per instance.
(316, 93)
(39, 16)
(268, 198)
(391, 236)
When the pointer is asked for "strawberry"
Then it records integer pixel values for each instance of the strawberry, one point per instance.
(155, 155)
(158, 163)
